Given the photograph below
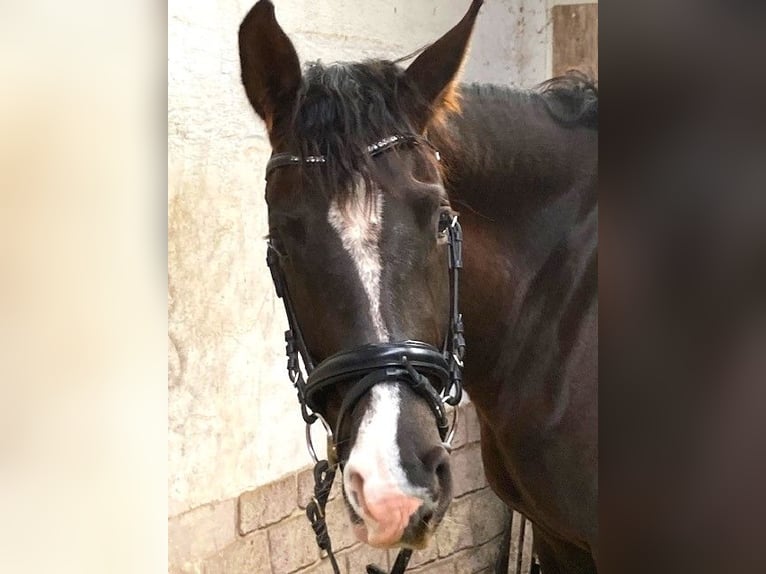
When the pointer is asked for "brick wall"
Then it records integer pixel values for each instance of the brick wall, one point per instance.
(265, 531)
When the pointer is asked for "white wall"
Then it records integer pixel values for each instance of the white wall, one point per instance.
(234, 422)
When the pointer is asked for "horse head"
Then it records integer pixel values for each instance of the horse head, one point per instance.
(360, 227)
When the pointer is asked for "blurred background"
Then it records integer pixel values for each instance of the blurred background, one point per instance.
(83, 413)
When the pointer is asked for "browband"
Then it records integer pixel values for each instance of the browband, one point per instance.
(278, 160)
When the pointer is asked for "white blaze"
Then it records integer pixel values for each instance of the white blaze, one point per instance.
(375, 455)
(359, 226)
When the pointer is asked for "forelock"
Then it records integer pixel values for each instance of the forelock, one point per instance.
(342, 109)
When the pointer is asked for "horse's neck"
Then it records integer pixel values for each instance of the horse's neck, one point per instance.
(518, 205)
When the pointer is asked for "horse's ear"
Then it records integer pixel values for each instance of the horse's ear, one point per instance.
(271, 71)
(434, 72)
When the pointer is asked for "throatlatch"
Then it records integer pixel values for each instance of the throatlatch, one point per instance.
(433, 374)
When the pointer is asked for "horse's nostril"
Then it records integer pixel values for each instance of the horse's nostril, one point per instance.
(357, 490)
(427, 516)
(357, 482)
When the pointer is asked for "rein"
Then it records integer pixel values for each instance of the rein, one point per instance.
(415, 363)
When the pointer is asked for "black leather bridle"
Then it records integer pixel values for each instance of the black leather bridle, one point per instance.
(434, 374)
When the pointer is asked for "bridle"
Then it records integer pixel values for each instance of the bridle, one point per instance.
(435, 375)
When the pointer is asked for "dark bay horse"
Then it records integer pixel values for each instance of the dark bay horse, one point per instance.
(371, 165)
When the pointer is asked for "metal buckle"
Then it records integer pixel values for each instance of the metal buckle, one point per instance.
(453, 427)
(320, 512)
(331, 455)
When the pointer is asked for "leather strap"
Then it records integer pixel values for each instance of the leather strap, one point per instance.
(402, 559)
(324, 475)
(415, 380)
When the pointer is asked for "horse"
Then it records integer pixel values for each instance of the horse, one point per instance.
(411, 219)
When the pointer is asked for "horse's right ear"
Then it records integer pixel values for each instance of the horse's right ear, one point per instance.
(435, 71)
(271, 71)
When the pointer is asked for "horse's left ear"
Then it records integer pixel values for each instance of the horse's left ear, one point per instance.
(271, 71)
(434, 72)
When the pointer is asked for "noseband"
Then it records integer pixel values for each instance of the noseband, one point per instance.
(435, 375)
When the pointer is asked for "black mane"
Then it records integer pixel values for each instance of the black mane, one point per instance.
(342, 108)
(571, 99)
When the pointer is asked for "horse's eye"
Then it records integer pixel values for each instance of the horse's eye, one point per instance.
(275, 244)
(287, 232)
(295, 229)
(445, 220)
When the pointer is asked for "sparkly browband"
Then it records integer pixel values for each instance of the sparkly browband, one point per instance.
(278, 160)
